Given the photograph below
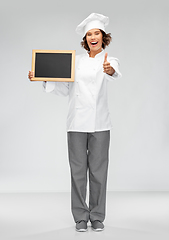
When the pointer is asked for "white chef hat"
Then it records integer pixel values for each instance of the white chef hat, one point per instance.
(94, 20)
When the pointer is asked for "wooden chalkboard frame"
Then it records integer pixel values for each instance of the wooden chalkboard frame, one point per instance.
(53, 79)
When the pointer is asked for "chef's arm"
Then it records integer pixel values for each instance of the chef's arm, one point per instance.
(114, 63)
(58, 88)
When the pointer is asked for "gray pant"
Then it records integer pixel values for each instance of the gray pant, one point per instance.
(88, 152)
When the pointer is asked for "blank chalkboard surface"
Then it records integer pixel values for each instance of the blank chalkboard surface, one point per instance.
(53, 65)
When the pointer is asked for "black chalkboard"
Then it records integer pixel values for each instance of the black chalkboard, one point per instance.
(53, 65)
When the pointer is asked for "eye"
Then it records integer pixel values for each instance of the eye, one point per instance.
(89, 34)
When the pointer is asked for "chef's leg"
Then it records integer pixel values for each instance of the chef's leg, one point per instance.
(77, 149)
(98, 157)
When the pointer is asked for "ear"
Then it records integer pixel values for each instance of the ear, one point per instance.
(102, 39)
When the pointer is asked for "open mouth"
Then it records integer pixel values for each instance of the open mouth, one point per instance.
(94, 43)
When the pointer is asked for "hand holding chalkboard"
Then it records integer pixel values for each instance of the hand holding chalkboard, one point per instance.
(52, 65)
(30, 75)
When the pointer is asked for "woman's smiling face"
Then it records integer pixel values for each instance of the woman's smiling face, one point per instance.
(94, 40)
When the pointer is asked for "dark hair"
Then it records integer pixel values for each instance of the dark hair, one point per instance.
(106, 40)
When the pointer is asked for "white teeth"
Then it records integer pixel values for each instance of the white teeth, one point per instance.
(93, 42)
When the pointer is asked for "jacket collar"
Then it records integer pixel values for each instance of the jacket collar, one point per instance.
(99, 55)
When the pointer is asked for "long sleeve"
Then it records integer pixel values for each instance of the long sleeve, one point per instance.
(58, 88)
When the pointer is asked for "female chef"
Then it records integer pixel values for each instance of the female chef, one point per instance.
(88, 121)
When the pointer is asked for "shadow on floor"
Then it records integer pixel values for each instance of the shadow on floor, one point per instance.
(108, 233)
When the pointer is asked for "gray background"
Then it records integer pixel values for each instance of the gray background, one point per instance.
(33, 152)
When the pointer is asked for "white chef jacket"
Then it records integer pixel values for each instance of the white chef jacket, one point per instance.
(88, 106)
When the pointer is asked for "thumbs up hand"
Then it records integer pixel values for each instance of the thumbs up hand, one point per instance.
(106, 66)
